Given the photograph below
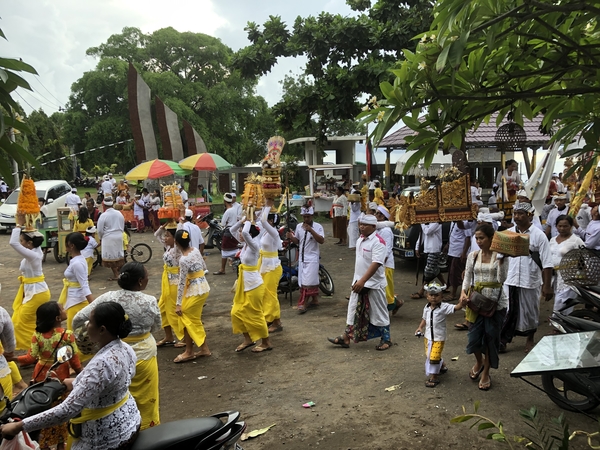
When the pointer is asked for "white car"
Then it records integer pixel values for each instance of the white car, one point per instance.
(56, 190)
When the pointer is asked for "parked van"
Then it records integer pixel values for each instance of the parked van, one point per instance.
(56, 190)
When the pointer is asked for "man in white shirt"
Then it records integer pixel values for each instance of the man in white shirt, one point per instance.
(387, 235)
(591, 234)
(196, 239)
(459, 242)
(431, 237)
(138, 212)
(353, 233)
(228, 242)
(72, 200)
(106, 187)
(308, 237)
(559, 186)
(113, 182)
(3, 189)
(233, 185)
(528, 277)
(560, 208)
(237, 206)
(184, 196)
(368, 284)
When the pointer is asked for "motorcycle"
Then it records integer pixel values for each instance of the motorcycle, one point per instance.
(214, 235)
(217, 432)
(289, 277)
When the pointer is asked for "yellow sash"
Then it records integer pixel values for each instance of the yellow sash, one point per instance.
(136, 339)
(21, 291)
(66, 285)
(239, 288)
(266, 255)
(194, 275)
(89, 414)
(165, 277)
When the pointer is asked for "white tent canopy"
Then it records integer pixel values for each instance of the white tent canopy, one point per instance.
(440, 162)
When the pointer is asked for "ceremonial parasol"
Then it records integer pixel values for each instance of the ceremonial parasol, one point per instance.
(204, 161)
(157, 168)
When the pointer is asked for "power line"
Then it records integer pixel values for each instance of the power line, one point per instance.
(32, 108)
(40, 81)
(44, 103)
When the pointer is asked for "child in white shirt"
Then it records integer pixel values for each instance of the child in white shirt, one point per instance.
(88, 251)
(434, 323)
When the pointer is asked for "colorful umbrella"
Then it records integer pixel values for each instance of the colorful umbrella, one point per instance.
(204, 161)
(157, 168)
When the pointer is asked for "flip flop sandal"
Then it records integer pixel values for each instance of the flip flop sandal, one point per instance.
(179, 345)
(443, 370)
(275, 330)
(485, 386)
(243, 347)
(462, 327)
(398, 304)
(432, 383)
(180, 360)
(164, 343)
(199, 355)
(416, 296)
(219, 273)
(381, 347)
(261, 349)
(339, 341)
(475, 375)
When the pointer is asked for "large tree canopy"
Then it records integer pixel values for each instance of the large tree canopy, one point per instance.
(191, 73)
(524, 57)
(348, 56)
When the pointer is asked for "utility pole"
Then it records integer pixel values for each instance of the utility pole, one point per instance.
(74, 159)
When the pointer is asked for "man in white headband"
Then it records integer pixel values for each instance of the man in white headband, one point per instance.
(387, 235)
(308, 237)
(111, 225)
(107, 187)
(368, 290)
(560, 208)
(526, 274)
(196, 239)
(229, 244)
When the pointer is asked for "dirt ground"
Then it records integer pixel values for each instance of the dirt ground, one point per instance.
(353, 410)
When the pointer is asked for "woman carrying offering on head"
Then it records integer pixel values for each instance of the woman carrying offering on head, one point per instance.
(33, 290)
(247, 315)
(109, 418)
(270, 267)
(485, 273)
(143, 312)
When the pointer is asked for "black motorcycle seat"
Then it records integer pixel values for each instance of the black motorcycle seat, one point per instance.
(180, 435)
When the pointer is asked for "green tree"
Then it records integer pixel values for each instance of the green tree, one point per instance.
(9, 82)
(507, 56)
(348, 56)
(191, 73)
(45, 143)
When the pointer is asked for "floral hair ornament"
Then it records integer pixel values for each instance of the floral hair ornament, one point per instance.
(185, 235)
(126, 317)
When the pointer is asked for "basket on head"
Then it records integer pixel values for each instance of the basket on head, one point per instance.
(510, 243)
(580, 266)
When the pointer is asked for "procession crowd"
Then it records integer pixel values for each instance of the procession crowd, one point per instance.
(116, 394)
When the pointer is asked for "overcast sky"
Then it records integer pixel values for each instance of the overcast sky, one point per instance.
(53, 36)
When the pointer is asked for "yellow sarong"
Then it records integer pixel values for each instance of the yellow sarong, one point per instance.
(15, 375)
(168, 298)
(436, 351)
(90, 264)
(271, 308)
(247, 311)
(7, 387)
(23, 317)
(144, 386)
(389, 290)
(191, 314)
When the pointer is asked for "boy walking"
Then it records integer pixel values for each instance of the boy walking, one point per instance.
(434, 324)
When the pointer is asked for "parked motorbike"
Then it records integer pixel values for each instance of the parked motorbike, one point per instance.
(214, 235)
(217, 432)
(289, 277)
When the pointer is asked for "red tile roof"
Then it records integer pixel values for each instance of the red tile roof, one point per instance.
(484, 136)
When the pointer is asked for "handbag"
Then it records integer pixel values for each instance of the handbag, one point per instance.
(480, 303)
(21, 441)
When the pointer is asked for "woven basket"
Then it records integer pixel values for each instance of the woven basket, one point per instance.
(272, 193)
(126, 207)
(580, 267)
(118, 207)
(510, 243)
(354, 197)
